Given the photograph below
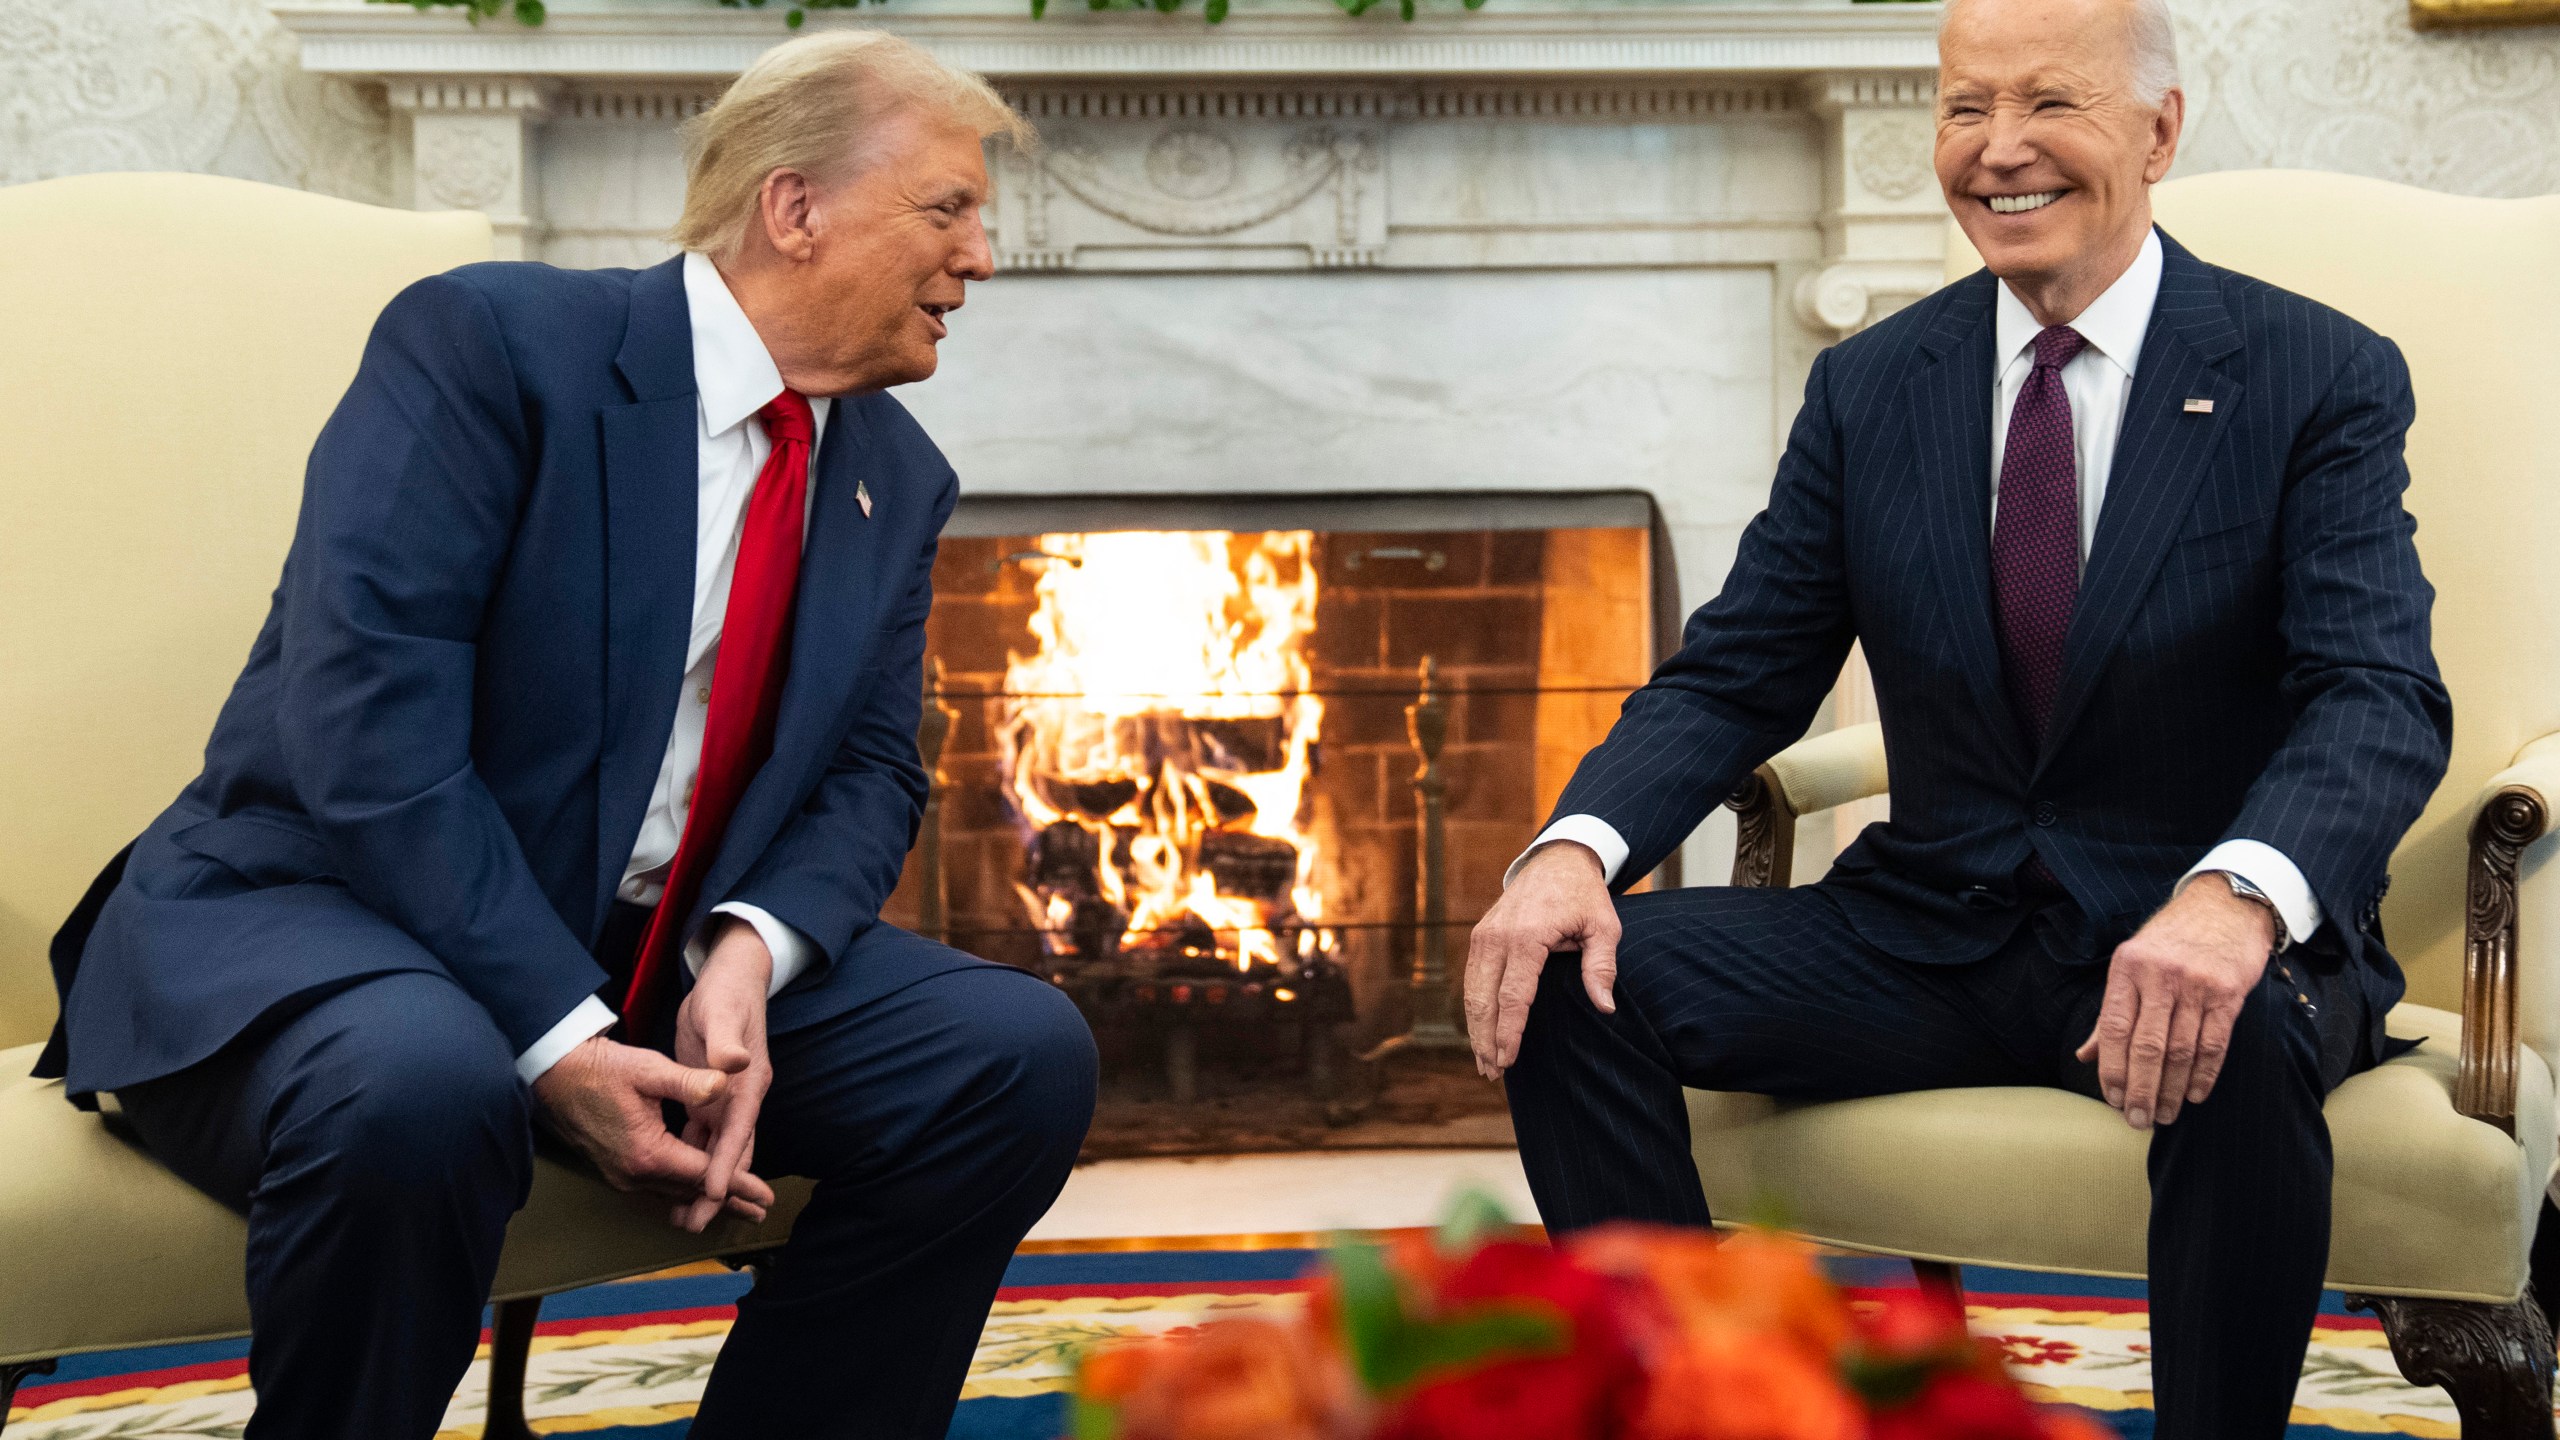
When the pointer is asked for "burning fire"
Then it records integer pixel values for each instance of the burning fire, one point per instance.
(1159, 742)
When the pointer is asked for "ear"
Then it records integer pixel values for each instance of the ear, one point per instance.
(2166, 127)
(785, 208)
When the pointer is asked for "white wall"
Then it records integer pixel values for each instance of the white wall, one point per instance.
(210, 85)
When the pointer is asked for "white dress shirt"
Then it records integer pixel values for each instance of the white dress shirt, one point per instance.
(2098, 382)
(734, 377)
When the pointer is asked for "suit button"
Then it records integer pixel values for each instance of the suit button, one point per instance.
(2046, 812)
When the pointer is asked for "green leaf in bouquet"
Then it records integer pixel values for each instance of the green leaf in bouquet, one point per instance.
(1391, 1348)
(1093, 1420)
(1474, 1217)
(1887, 1383)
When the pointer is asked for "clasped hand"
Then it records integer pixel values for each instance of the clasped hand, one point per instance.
(606, 1097)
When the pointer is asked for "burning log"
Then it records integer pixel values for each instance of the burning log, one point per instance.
(1250, 867)
(1066, 859)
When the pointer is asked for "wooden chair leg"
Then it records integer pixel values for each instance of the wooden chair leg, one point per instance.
(1939, 1278)
(510, 1347)
(2494, 1360)
(10, 1378)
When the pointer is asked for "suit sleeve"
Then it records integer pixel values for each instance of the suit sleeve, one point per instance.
(831, 869)
(1753, 666)
(408, 514)
(2373, 724)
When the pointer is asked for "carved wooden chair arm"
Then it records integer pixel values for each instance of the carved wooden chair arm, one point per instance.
(2510, 814)
(1806, 778)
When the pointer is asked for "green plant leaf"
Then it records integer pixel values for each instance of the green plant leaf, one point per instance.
(529, 12)
(1093, 1420)
(796, 18)
(1039, 8)
(1474, 1216)
(1373, 1318)
(1391, 1349)
(1215, 12)
(1406, 6)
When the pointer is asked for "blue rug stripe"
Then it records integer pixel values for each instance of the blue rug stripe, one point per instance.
(149, 1357)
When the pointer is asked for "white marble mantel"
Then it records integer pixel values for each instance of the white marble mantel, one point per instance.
(688, 38)
(1551, 245)
(1832, 91)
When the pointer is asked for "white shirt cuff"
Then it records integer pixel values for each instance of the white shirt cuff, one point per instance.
(1590, 831)
(592, 1018)
(2266, 867)
(793, 953)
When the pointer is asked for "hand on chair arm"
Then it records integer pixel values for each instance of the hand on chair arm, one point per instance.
(408, 516)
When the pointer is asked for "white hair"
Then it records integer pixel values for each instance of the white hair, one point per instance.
(2154, 42)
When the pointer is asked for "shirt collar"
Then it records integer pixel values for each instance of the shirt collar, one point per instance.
(733, 372)
(2114, 323)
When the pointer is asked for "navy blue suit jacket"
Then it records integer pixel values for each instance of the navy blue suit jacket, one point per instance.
(2249, 657)
(439, 753)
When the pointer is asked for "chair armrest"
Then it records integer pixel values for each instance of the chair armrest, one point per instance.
(1806, 778)
(2513, 810)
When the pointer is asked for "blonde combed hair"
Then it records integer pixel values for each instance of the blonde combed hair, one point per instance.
(810, 104)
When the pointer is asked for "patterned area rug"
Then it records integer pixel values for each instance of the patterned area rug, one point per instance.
(627, 1361)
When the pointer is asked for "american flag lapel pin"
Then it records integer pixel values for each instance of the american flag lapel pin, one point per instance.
(862, 492)
(2197, 405)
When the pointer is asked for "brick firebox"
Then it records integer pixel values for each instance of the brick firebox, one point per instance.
(1503, 613)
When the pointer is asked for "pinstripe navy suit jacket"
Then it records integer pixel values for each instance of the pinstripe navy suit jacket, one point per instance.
(2249, 658)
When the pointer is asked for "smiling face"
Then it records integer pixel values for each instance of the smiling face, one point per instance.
(873, 262)
(2047, 149)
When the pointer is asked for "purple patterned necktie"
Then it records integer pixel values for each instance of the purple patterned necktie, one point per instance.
(2035, 545)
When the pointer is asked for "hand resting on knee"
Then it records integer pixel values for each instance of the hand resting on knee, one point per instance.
(1557, 901)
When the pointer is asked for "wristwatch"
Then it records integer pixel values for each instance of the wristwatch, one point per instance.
(2247, 891)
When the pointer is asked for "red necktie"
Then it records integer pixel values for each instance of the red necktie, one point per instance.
(746, 695)
(2035, 545)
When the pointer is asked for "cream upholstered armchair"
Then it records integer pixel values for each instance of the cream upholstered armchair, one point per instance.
(174, 343)
(2442, 1155)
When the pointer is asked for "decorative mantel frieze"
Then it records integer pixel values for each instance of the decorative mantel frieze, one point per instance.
(469, 137)
(624, 38)
(1289, 137)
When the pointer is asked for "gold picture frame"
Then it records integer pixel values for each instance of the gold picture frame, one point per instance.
(2449, 14)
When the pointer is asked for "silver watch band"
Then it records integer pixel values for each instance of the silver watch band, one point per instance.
(2246, 891)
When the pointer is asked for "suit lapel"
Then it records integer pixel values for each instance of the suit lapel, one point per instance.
(834, 626)
(652, 484)
(1950, 402)
(2163, 453)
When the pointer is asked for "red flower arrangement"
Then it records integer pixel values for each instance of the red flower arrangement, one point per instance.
(1625, 1333)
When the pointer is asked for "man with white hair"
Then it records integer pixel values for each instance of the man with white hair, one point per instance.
(565, 784)
(2122, 536)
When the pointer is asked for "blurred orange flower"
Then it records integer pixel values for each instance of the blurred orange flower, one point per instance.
(1754, 1281)
(1725, 1384)
(1241, 1379)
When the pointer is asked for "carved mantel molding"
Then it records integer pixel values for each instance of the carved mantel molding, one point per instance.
(601, 39)
(1269, 142)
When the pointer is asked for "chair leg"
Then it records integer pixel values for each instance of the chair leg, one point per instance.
(2494, 1360)
(1941, 1279)
(510, 1346)
(10, 1378)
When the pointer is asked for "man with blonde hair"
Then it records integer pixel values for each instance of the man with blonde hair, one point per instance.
(565, 784)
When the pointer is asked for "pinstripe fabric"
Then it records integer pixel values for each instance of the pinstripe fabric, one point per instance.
(2249, 656)
(1775, 992)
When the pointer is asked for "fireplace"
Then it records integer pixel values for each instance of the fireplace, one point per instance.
(1189, 751)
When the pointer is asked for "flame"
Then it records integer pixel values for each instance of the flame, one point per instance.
(1172, 666)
